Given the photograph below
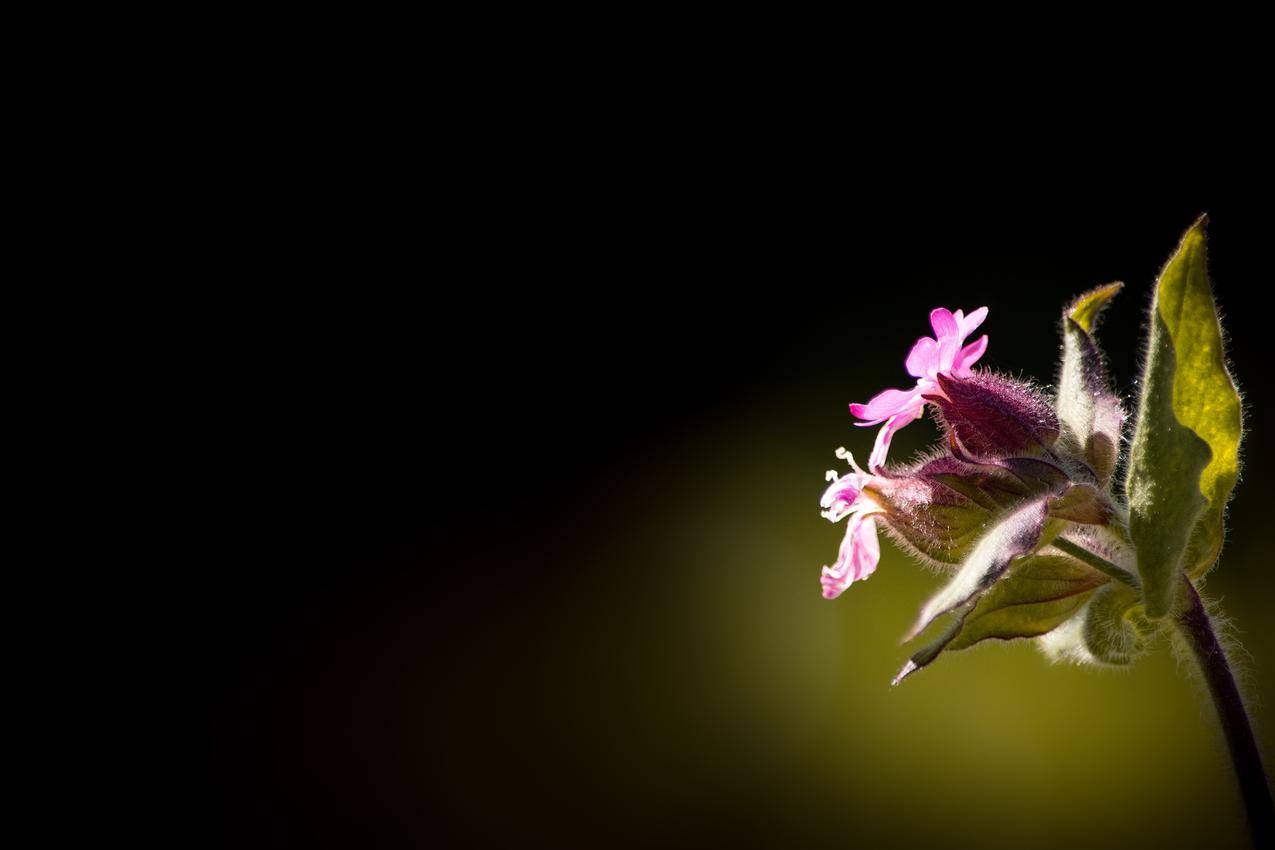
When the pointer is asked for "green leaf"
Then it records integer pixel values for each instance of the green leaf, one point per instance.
(1041, 593)
(1086, 309)
(1017, 533)
(1112, 628)
(1184, 458)
(923, 656)
(1090, 414)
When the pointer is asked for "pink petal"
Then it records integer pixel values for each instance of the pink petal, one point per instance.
(884, 405)
(924, 358)
(969, 355)
(970, 323)
(841, 495)
(948, 331)
(867, 554)
(886, 434)
(834, 583)
(944, 323)
(857, 558)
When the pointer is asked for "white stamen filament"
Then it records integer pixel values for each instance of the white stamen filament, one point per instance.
(849, 458)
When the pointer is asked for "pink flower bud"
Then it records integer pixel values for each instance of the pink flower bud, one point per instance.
(990, 416)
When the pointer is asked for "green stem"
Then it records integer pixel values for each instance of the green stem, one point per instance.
(1096, 561)
(1194, 625)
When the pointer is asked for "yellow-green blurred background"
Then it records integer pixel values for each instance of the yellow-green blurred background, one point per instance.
(568, 593)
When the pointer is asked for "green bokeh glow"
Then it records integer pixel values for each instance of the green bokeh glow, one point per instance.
(765, 714)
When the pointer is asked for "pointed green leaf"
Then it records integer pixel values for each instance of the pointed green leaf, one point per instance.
(1089, 412)
(923, 656)
(1039, 594)
(1084, 311)
(1205, 397)
(1017, 533)
(1184, 458)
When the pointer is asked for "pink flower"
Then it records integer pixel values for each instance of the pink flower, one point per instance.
(945, 354)
(860, 551)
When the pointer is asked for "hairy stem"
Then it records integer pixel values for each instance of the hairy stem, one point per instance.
(1097, 562)
(1195, 626)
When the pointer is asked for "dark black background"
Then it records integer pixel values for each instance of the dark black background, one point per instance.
(420, 419)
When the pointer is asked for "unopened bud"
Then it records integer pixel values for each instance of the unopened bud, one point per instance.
(990, 416)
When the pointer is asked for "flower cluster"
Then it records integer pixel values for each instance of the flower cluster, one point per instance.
(1019, 505)
(942, 358)
(1017, 483)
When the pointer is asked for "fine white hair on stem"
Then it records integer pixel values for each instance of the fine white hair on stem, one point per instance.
(1238, 658)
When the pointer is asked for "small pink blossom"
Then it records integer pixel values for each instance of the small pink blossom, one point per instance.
(945, 353)
(860, 551)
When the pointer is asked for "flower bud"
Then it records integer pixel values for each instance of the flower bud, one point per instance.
(938, 508)
(989, 416)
